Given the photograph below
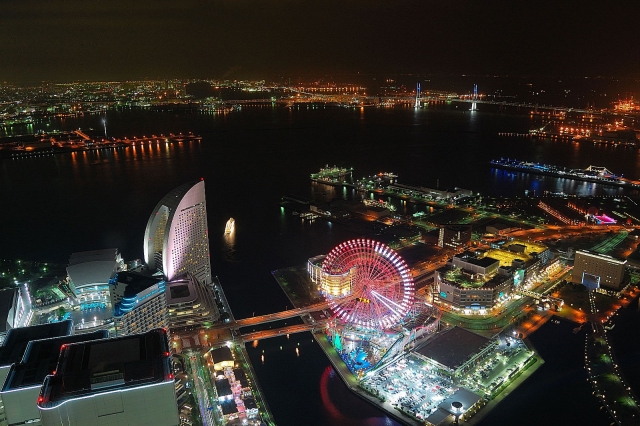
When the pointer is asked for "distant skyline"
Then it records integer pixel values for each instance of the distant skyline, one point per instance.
(117, 40)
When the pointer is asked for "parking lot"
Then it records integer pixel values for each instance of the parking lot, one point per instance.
(411, 385)
(498, 368)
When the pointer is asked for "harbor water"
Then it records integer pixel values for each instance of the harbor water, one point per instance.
(60, 204)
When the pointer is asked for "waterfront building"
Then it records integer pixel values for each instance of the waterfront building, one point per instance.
(190, 304)
(15, 309)
(176, 237)
(139, 303)
(454, 236)
(122, 381)
(473, 284)
(91, 268)
(15, 344)
(314, 268)
(595, 270)
(334, 285)
(24, 379)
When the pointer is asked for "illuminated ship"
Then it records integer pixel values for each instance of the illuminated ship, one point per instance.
(594, 174)
(231, 223)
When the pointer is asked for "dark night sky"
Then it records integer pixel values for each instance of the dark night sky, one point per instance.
(120, 39)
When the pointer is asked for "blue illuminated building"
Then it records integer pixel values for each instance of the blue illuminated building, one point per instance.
(139, 303)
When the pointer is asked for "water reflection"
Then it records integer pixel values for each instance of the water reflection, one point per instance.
(509, 183)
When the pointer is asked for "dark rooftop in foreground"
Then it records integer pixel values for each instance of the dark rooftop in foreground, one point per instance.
(223, 388)
(250, 403)
(17, 339)
(220, 354)
(98, 366)
(453, 347)
(40, 359)
(229, 407)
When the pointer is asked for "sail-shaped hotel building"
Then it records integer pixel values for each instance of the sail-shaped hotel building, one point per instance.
(176, 238)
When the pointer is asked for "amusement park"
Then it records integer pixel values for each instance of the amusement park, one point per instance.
(395, 346)
(371, 292)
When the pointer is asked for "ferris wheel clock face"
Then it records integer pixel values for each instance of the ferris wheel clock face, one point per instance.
(367, 284)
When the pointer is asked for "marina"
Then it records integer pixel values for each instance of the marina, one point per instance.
(59, 143)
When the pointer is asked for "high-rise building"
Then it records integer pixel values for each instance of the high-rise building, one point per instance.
(24, 380)
(122, 381)
(139, 303)
(176, 238)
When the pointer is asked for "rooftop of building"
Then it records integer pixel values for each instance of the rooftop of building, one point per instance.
(221, 354)
(181, 291)
(506, 257)
(40, 359)
(17, 340)
(530, 246)
(93, 267)
(241, 377)
(93, 256)
(250, 403)
(229, 407)
(600, 256)
(173, 198)
(453, 347)
(136, 282)
(90, 368)
(455, 275)
(223, 387)
(470, 257)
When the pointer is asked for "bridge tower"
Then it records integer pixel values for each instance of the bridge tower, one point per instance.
(417, 104)
(474, 98)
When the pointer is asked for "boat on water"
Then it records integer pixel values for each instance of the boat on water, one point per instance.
(594, 174)
(231, 224)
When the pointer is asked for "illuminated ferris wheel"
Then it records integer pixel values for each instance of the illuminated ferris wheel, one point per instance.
(367, 284)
